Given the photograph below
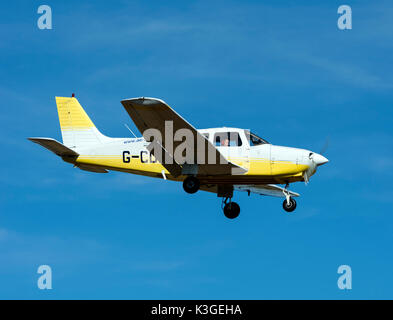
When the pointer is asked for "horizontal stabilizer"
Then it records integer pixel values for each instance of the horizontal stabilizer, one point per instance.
(55, 146)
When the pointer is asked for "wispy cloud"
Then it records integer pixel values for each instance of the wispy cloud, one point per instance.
(3, 234)
(365, 155)
(178, 39)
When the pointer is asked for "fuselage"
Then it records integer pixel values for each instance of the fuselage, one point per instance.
(265, 163)
(217, 160)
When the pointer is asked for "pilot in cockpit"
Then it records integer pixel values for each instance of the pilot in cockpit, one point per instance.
(225, 142)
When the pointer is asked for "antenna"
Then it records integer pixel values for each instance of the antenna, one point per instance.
(130, 131)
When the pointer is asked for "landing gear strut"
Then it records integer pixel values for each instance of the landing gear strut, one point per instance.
(191, 184)
(231, 209)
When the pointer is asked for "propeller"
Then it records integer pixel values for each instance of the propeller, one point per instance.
(316, 159)
(325, 146)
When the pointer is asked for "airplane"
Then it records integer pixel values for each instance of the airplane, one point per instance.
(226, 159)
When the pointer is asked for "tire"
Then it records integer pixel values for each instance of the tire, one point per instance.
(191, 184)
(289, 207)
(231, 210)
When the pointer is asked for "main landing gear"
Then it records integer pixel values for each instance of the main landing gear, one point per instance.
(231, 209)
(191, 184)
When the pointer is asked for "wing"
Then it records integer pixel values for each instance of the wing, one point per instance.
(265, 190)
(151, 113)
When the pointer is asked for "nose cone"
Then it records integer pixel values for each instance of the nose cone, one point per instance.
(319, 159)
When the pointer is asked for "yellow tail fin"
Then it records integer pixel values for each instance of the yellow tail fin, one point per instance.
(77, 130)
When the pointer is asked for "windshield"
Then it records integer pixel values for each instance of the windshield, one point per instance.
(254, 139)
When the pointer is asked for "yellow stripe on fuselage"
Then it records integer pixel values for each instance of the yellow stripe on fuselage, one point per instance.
(256, 166)
(116, 161)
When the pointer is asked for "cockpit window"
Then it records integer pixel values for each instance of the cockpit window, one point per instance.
(255, 140)
(227, 139)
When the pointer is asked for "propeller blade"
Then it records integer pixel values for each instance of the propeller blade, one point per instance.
(325, 146)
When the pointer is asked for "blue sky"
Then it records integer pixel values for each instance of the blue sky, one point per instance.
(281, 68)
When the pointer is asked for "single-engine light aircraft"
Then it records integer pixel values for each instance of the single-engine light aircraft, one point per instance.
(218, 160)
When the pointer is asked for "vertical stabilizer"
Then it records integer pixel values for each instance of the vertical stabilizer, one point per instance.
(77, 130)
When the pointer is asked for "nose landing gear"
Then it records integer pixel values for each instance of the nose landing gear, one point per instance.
(231, 209)
(290, 205)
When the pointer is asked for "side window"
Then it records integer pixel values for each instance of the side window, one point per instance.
(227, 139)
(220, 139)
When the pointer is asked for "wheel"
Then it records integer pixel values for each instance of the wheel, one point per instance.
(289, 207)
(231, 210)
(191, 184)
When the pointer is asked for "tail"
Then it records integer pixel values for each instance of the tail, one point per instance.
(77, 130)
